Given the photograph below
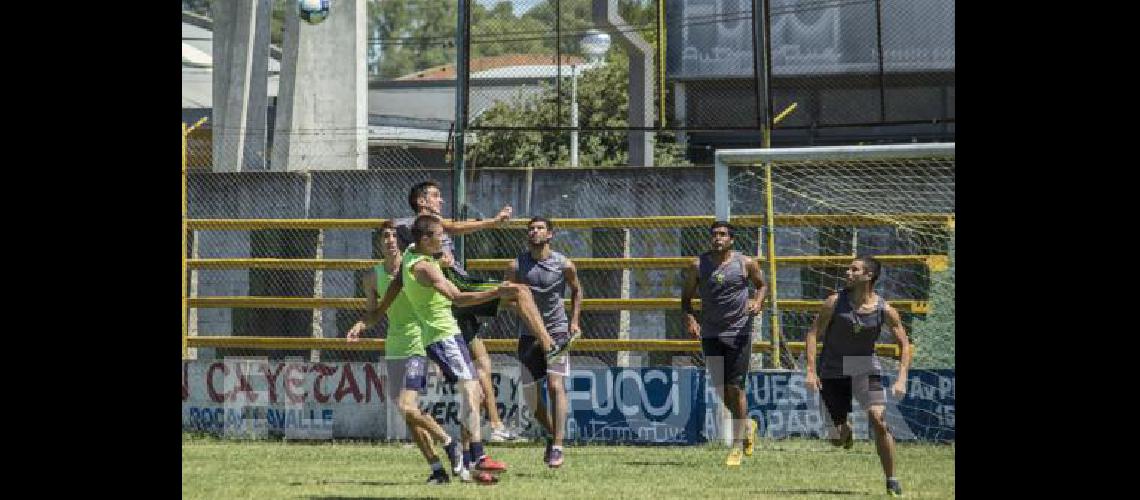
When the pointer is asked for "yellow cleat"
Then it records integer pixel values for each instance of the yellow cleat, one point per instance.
(750, 441)
(734, 458)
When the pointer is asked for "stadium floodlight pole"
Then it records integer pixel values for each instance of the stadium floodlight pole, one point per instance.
(761, 49)
(574, 115)
(882, 73)
(459, 185)
(661, 64)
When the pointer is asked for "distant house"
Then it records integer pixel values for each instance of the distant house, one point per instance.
(430, 93)
(421, 105)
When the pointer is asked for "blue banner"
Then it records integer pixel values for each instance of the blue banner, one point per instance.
(674, 406)
(635, 405)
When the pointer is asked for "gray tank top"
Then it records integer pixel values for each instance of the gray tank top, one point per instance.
(849, 344)
(548, 284)
(404, 238)
(724, 297)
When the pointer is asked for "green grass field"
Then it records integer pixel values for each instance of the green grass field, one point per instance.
(794, 468)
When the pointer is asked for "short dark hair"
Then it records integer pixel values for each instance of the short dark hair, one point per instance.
(419, 191)
(422, 224)
(539, 218)
(388, 224)
(871, 265)
(724, 224)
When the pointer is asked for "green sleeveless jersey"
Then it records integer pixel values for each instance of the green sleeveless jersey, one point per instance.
(404, 335)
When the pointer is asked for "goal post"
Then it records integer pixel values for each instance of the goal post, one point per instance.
(893, 199)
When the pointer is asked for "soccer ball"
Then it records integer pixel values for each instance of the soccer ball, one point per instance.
(313, 11)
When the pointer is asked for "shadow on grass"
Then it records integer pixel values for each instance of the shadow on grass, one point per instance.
(375, 498)
(357, 483)
(811, 491)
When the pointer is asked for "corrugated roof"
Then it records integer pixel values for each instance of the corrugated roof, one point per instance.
(447, 71)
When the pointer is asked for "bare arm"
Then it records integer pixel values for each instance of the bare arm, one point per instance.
(373, 310)
(687, 291)
(512, 276)
(895, 324)
(390, 295)
(571, 273)
(463, 227)
(371, 302)
(428, 274)
(756, 276)
(820, 324)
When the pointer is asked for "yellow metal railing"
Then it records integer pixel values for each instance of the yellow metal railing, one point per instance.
(185, 132)
(493, 345)
(911, 306)
(932, 262)
(653, 222)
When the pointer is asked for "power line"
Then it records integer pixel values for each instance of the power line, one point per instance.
(693, 20)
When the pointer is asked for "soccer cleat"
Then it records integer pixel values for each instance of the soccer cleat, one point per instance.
(482, 477)
(501, 435)
(893, 488)
(559, 349)
(438, 477)
(735, 456)
(555, 458)
(488, 464)
(750, 441)
(546, 454)
(455, 456)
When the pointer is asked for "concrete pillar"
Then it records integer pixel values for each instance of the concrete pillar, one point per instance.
(641, 78)
(624, 358)
(322, 101)
(240, 81)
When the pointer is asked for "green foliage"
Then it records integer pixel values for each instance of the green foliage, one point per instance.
(598, 106)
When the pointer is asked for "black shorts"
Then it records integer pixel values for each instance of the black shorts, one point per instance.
(467, 316)
(727, 359)
(837, 393)
(531, 355)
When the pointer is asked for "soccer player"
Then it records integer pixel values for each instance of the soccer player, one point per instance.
(404, 356)
(548, 274)
(425, 198)
(721, 276)
(431, 296)
(850, 321)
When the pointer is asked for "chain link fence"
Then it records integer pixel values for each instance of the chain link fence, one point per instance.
(540, 67)
(645, 203)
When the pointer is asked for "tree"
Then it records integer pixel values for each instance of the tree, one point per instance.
(599, 105)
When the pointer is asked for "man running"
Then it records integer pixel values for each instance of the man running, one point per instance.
(722, 276)
(851, 321)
